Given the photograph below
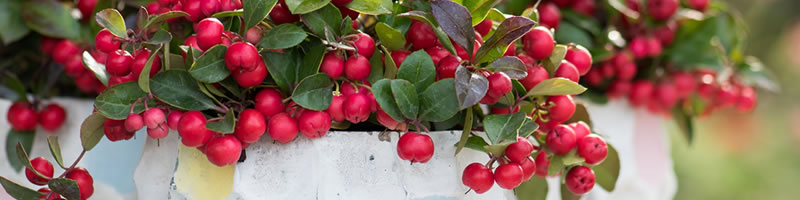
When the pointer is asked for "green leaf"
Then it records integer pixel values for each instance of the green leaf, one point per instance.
(499, 148)
(233, 87)
(178, 89)
(555, 87)
(470, 87)
(382, 90)
(314, 92)
(503, 127)
(160, 37)
(569, 33)
(312, 58)
(581, 114)
(567, 195)
(405, 95)
(316, 21)
(376, 64)
(255, 11)
(55, 150)
(496, 15)
(550, 64)
(346, 27)
(92, 130)
(556, 165)
(511, 66)
(12, 139)
(232, 13)
(50, 18)
(465, 133)
(224, 126)
(528, 127)
(572, 158)
(282, 36)
(12, 83)
(65, 187)
(509, 30)
(427, 18)
(607, 172)
(144, 77)
(418, 69)
(753, 72)
(438, 102)
(210, 67)
(98, 69)
(111, 19)
(476, 143)
(281, 67)
(115, 102)
(156, 20)
(456, 21)
(12, 27)
(684, 122)
(18, 191)
(390, 37)
(306, 6)
(479, 9)
(22, 155)
(372, 7)
(141, 17)
(389, 67)
(534, 189)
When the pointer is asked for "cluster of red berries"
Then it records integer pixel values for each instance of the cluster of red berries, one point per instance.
(45, 173)
(23, 116)
(67, 53)
(120, 64)
(197, 9)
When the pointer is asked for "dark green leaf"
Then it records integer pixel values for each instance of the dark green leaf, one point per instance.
(391, 38)
(449, 124)
(550, 64)
(317, 20)
(282, 68)
(232, 13)
(92, 130)
(456, 21)
(581, 114)
(556, 86)
(111, 19)
(503, 127)
(282, 36)
(224, 126)
(256, 10)
(160, 37)
(50, 18)
(567, 195)
(382, 90)
(389, 67)
(347, 26)
(427, 18)
(405, 95)
(65, 187)
(210, 67)
(12, 27)
(372, 7)
(12, 83)
(510, 30)
(499, 148)
(18, 191)
(141, 17)
(528, 127)
(476, 143)
(511, 66)
(607, 172)
(753, 72)
(465, 133)
(156, 20)
(55, 150)
(684, 122)
(534, 189)
(314, 92)
(418, 69)
(306, 6)
(232, 87)
(312, 58)
(12, 139)
(98, 69)
(115, 102)
(569, 33)
(177, 88)
(144, 78)
(376, 64)
(470, 87)
(439, 101)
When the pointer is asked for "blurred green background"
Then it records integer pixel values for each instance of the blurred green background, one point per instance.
(751, 156)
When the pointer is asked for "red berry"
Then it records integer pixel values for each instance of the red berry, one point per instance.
(563, 109)
(269, 102)
(666, 94)
(336, 110)
(415, 147)
(684, 83)
(173, 118)
(478, 177)
(641, 92)
(158, 132)
(542, 164)
(399, 56)
(314, 124)
(194, 8)
(134, 122)
(626, 72)
(639, 47)
(52, 117)
(349, 89)
(192, 129)
(561, 140)
(48, 44)
(489, 99)
(45, 192)
(389, 122)
(549, 15)
(105, 41)
(356, 108)
(115, 130)
(653, 47)
(242, 56)
(86, 7)
(421, 36)
(499, 84)
(536, 74)
(230, 5)
(357, 68)
(116, 80)
(538, 43)
(365, 45)
(84, 181)
(528, 168)
(64, 50)
(280, 14)
(42, 166)
(581, 129)
(726, 95)
(746, 101)
(209, 7)
(563, 3)
(447, 67)
(347, 12)
(119, 63)
(341, 2)
(253, 77)
(700, 5)
(74, 66)
(580, 180)
(22, 117)
(593, 149)
(662, 9)
(282, 128)
(436, 53)
(463, 53)
(484, 27)
(511, 50)
(568, 70)
(618, 89)
(581, 58)
(140, 61)
(520, 150)
(153, 117)
(585, 7)
(251, 126)
(191, 41)
(225, 150)
(665, 34)
(209, 33)
(332, 65)
(253, 35)
(508, 176)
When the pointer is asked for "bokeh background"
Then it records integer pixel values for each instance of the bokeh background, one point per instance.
(751, 156)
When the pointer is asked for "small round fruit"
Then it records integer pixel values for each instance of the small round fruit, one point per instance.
(154, 117)
(52, 117)
(619, 89)
(593, 149)
(86, 7)
(581, 129)
(192, 129)
(119, 62)
(225, 150)
(569, 71)
(22, 117)
(700, 5)
(357, 68)
(539, 43)
(365, 45)
(105, 41)
(528, 168)
(341, 2)
(336, 109)
(580, 180)
(269, 102)
(251, 126)
(638, 47)
(84, 181)
(209, 33)
(519, 151)
(436, 53)
(241, 56)
(563, 110)
(42, 166)
(314, 124)
(421, 36)
(115, 130)
(140, 61)
(542, 164)
(447, 67)
(415, 147)
(561, 140)
(282, 128)
(253, 35)
(666, 94)
(549, 15)
(356, 108)
(484, 27)
(280, 14)
(173, 118)
(662, 9)
(332, 65)
(46, 192)
(508, 176)
(389, 122)
(253, 77)
(158, 132)
(134, 122)
(399, 56)
(581, 58)
(499, 84)
(478, 177)
(64, 50)
(536, 75)
(641, 92)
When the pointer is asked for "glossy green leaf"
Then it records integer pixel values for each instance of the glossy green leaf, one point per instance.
(556, 165)
(496, 15)
(439, 101)
(499, 148)
(555, 59)
(306, 6)
(567, 195)
(316, 21)
(224, 126)
(177, 88)
(67, 188)
(98, 69)
(465, 133)
(256, 10)
(456, 21)
(405, 95)
(55, 150)
(144, 78)
(389, 67)
(503, 127)
(51, 18)
(11, 82)
(210, 67)
(115, 102)
(376, 64)
(372, 7)
(391, 38)
(18, 191)
(479, 9)
(556, 86)
(12, 27)
(534, 189)
(12, 139)
(470, 87)
(92, 130)
(282, 68)
(156, 20)
(314, 92)
(581, 114)
(312, 59)
(476, 143)
(511, 66)
(569, 33)
(382, 90)
(607, 172)
(282, 36)
(418, 69)
(509, 30)
(160, 37)
(528, 127)
(111, 19)
(232, 13)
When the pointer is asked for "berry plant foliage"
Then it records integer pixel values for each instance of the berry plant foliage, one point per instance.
(225, 73)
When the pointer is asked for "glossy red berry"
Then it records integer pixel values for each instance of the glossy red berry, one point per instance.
(585, 7)
(356, 108)
(22, 117)
(536, 74)
(153, 117)
(134, 122)
(508, 176)
(209, 7)
(563, 109)
(484, 27)
(746, 101)
(684, 83)
(173, 118)
(116, 80)
(700, 5)
(549, 15)
(662, 9)
(52, 117)
(251, 126)
(666, 94)
(653, 47)
(230, 5)
(520, 150)
(64, 50)
(42, 166)
(365, 45)
(336, 109)
(115, 130)
(332, 65)
(436, 53)
(105, 41)
(225, 150)
(593, 149)
(478, 177)
(638, 47)
(282, 128)
(581, 58)
(86, 7)
(253, 35)
(253, 77)
(209, 33)
(463, 53)
(542, 164)
(563, 3)
(314, 124)
(399, 56)
(626, 72)
(140, 61)
(45, 192)
(581, 129)
(421, 36)
(347, 12)
(84, 181)
(119, 62)
(389, 122)
(341, 2)
(357, 68)
(447, 67)
(242, 56)
(619, 89)
(192, 129)
(280, 14)
(269, 102)
(499, 84)
(561, 140)
(158, 132)
(528, 168)
(580, 180)
(641, 92)
(665, 34)
(539, 43)
(568, 70)
(415, 147)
